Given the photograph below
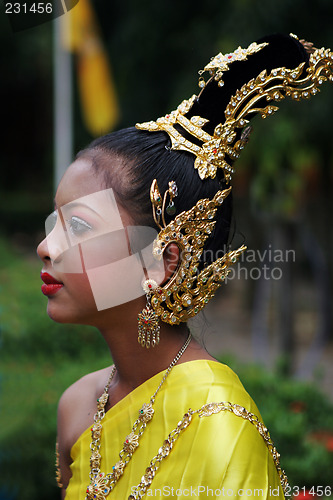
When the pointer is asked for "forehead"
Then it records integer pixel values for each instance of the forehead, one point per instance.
(79, 180)
(82, 185)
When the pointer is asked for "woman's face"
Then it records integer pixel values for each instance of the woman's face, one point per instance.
(89, 264)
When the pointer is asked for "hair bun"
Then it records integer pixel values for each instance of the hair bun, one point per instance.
(281, 51)
(210, 126)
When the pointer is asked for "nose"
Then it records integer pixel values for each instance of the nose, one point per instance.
(53, 246)
(52, 249)
(42, 251)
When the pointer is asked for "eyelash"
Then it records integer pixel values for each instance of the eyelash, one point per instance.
(78, 226)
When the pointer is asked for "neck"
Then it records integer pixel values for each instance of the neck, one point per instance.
(136, 364)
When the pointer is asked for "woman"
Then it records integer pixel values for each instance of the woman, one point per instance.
(169, 419)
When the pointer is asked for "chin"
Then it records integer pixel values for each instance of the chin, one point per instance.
(61, 314)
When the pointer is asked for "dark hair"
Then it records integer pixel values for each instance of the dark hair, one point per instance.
(131, 159)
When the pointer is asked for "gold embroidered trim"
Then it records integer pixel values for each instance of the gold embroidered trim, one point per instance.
(206, 411)
(163, 452)
(240, 411)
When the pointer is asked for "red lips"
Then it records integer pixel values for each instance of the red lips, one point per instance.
(51, 285)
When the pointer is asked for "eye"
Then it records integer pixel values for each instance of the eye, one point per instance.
(78, 226)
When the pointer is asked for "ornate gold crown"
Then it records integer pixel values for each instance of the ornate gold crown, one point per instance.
(189, 289)
(223, 148)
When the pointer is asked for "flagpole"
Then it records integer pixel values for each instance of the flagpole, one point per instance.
(63, 102)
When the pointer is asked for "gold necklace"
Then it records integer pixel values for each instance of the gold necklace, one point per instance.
(101, 484)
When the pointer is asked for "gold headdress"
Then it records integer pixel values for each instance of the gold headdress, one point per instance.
(223, 148)
(189, 290)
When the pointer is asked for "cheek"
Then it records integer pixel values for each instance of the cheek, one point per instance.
(117, 283)
(77, 286)
(74, 303)
(104, 250)
(114, 275)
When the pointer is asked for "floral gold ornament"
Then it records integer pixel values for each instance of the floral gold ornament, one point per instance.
(189, 290)
(95, 459)
(98, 489)
(221, 149)
(131, 443)
(148, 326)
(101, 484)
(146, 413)
(118, 469)
(173, 192)
(159, 204)
(102, 401)
(220, 63)
(149, 285)
(97, 428)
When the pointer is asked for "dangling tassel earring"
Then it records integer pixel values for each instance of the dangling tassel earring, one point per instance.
(148, 327)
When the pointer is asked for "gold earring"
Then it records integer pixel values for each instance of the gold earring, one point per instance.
(148, 326)
(188, 290)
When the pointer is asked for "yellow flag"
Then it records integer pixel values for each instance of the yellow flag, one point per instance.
(98, 97)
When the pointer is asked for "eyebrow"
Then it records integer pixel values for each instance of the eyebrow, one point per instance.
(75, 204)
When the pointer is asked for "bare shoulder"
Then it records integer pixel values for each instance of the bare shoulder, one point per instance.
(81, 391)
(76, 410)
(77, 405)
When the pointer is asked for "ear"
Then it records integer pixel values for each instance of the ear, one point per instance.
(163, 270)
(171, 260)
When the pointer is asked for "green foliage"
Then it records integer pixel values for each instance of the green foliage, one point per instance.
(279, 174)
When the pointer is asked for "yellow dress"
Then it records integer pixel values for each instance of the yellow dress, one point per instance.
(217, 456)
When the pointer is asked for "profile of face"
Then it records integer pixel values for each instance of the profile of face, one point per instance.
(94, 257)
